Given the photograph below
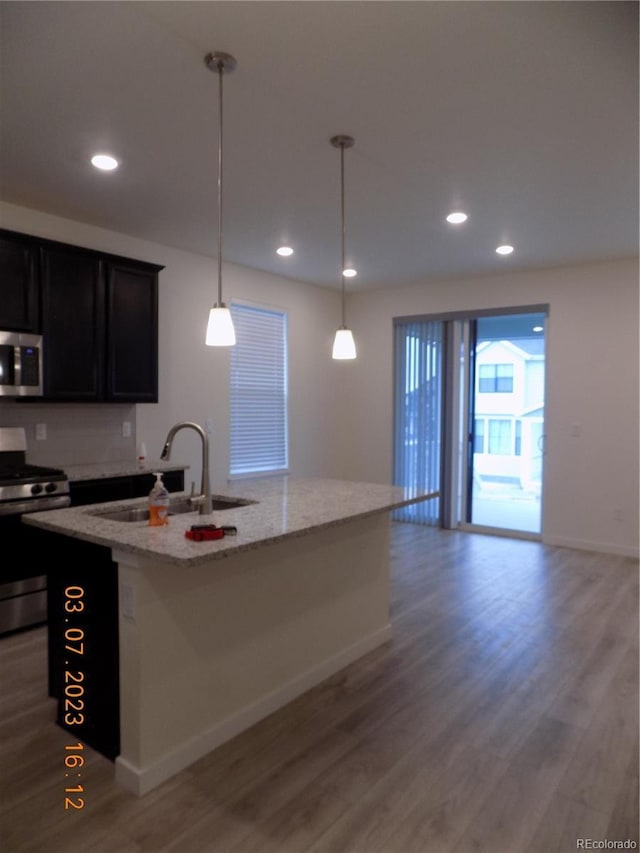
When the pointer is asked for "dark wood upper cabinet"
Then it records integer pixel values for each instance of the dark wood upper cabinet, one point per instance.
(73, 328)
(132, 344)
(18, 284)
(97, 313)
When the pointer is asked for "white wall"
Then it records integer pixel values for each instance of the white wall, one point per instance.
(194, 379)
(592, 383)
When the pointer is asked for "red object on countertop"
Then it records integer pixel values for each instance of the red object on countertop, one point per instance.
(204, 532)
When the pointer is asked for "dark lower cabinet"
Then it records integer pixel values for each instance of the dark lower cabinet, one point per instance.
(82, 617)
(121, 488)
(82, 598)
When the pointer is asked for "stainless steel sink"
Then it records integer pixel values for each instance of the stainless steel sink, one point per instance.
(141, 513)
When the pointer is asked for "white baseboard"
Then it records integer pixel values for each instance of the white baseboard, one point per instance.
(140, 780)
(598, 547)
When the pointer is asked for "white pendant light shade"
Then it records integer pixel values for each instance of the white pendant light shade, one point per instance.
(220, 331)
(344, 346)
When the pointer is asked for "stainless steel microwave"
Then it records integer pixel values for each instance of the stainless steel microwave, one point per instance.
(20, 365)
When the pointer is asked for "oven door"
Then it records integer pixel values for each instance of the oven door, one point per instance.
(23, 604)
(23, 580)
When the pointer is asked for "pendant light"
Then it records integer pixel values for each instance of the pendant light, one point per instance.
(343, 346)
(220, 331)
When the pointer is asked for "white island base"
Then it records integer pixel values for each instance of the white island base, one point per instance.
(208, 650)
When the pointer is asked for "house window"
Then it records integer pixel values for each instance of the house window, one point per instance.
(495, 379)
(499, 436)
(478, 435)
(518, 446)
(259, 392)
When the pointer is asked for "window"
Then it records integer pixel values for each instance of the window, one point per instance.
(259, 434)
(500, 436)
(518, 448)
(495, 378)
(478, 436)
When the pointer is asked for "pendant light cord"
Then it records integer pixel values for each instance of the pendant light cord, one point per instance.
(343, 232)
(220, 75)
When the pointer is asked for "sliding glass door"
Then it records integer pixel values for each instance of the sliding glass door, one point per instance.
(469, 418)
(504, 485)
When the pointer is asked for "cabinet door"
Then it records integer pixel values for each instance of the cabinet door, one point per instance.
(99, 491)
(132, 343)
(105, 489)
(73, 324)
(18, 286)
(92, 714)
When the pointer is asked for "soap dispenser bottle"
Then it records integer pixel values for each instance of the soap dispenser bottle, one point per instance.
(158, 503)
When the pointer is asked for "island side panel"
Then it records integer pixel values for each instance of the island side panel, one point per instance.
(207, 651)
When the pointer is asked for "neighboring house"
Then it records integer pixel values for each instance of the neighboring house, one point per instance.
(509, 413)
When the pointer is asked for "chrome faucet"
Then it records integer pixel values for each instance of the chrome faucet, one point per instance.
(203, 500)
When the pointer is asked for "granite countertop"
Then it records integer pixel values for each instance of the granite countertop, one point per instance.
(281, 507)
(103, 470)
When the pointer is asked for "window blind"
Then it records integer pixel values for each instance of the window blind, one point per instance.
(259, 430)
(418, 415)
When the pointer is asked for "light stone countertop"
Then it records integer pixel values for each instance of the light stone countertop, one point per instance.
(103, 470)
(284, 507)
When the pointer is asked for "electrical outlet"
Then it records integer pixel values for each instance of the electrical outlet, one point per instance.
(126, 429)
(41, 432)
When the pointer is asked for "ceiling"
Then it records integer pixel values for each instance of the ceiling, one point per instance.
(522, 114)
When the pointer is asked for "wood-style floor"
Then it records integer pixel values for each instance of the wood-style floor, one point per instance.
(502, 717)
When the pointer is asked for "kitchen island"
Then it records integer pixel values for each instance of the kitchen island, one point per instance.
(214, 635)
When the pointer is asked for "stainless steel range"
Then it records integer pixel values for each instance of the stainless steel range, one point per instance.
(24, 488)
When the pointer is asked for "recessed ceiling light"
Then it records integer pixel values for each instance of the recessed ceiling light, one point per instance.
(504, 250)
(457, 218)
(538, 328)
(349, 272)
(105, 162)
(284, 251)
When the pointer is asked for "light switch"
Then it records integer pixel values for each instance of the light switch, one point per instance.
(126, 429)
(41, 432)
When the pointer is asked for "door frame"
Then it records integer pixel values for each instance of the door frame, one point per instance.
(456, 413)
